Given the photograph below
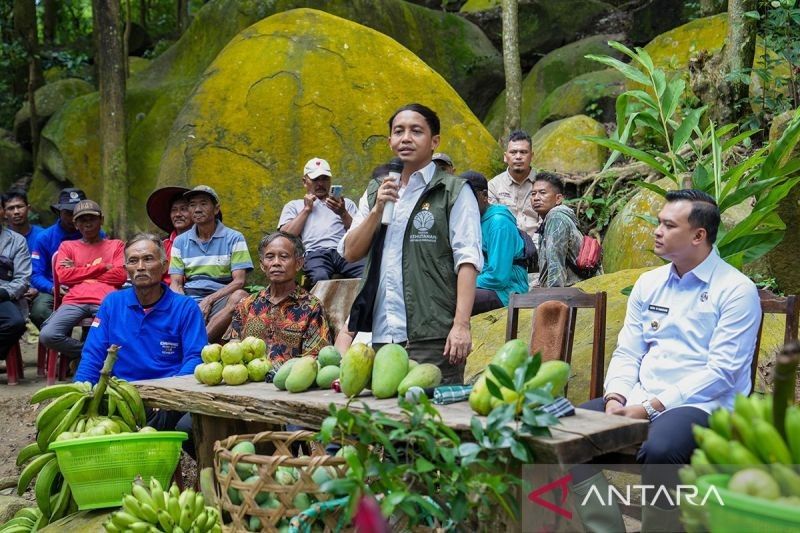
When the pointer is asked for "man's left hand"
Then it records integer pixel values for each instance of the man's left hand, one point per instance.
(336, 205)
(458, 344)
(633, 411)
(205, 306)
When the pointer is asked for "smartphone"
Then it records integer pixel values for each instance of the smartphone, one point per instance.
(336, 191)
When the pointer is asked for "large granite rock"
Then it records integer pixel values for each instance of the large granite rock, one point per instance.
(49, 98)
(544, 25)
(553, 70)
(457, 49)
(594, 92)
(15, 162)
(655, 17)
(299, 84)
(488, 332)
(557, 147)
(782, 260)
(672, 49)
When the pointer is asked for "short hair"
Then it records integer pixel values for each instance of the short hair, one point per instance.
(552, 179)
(427, 113)
(705, 212)
(380, 171)
(476, 181)
(299, 249)
(520, 135)
(14, 193)
(139, 237)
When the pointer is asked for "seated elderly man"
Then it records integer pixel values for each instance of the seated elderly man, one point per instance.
(160, 332)
(321, 219)
(684, 350)
(503, 250)
(289, 319)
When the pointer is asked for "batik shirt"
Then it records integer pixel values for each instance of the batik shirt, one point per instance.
(294, 327)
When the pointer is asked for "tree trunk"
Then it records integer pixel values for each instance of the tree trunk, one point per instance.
(511, 64)
(740, 48)
(143, 12)
(110, 60)
(50, 21)
(126, 39)
(25, 28)
(183, 15)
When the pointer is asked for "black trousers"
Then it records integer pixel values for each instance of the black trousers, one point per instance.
(669, 442)
(485, 300)
(12, 326)
(322, 264)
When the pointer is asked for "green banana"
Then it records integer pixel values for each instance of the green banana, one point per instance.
(743, 431)
(53, 410)
(44, 485)
(127, 415)
(743, 406)
(769, 444)
(59, 509)
(54, 391)
(69, 418)
(720, 422)
(33, 468)
(29, 451)
(174, 490)
(19, 521)
(185, 521)
(123, 520)
(716, 447)
(112, 405)
(741, 456)
(139, 527)
(701, 464)
(760, 405)
(30, 512)
(81, 426)
(17, 528)
(787, 478)
(165, 521)
(792, 428)
(157, 493)
(109, 526)
(199, 504)
(174, 509)
(131, 505)
(123, 426)
(200, 522)
(141, 494)
(132, 399)
(149, 514)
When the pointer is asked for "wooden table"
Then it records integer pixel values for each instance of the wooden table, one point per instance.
(224, 410)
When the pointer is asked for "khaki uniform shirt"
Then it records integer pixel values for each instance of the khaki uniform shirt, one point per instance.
(517, 197)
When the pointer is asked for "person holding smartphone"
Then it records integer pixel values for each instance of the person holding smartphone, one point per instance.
(321, 219)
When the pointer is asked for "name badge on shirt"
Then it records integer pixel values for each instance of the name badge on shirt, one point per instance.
(658, 309)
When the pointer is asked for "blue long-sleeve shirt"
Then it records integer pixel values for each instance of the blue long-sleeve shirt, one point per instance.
(160, 342)
(46, 244)
(501, 245)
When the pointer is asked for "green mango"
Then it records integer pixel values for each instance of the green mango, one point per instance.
(326, 376)
(329, 356)
(283, 372)
(555, 372)
(302, 375)
(388, 370)
(480, 397)
(511, 355)
(356, 369)
(425, 375)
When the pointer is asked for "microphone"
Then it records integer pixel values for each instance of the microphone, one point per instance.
(395, 169)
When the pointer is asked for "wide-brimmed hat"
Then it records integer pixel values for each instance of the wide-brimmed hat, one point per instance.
(67, 199)
(160, 203)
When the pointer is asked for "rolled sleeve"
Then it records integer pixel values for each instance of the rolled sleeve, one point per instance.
(623, 370)
(358, 217)
(465, 231)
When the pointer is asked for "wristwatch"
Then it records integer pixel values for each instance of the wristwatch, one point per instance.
(652, 413)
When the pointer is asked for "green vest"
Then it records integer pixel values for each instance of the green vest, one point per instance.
(429, 278)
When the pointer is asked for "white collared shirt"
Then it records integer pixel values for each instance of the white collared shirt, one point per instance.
(389, 315)
(687, 341)
(505, 190)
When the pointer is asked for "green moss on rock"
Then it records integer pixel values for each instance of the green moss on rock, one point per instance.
(15, 162)
(553, 70)
(296, 85)
(594, 92)
(49, 99)
(557, 147)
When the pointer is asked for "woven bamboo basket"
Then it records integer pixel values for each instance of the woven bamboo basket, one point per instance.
(266, 467)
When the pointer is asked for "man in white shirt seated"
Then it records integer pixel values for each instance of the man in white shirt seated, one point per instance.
(684, 350)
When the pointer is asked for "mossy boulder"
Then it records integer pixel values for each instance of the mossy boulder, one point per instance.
(628, 242)
(593, 92)
(672, 49)
(782, 260)
(299, 84)
(557, 147)
(15, 162)
(655, 17)
(49, 99)
(488, 332)
(544, 25)
(553, 70)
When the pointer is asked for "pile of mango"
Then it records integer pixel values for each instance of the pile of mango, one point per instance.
(301, 373)
(235, 363)
(509, 357)
(387, 373)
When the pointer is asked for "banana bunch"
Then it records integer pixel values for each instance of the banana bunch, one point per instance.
(26, 519)
(159, 510)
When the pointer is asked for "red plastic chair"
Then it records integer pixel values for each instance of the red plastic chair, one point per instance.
(14, 366)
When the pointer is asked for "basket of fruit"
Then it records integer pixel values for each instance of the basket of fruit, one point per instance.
(100, 469)
(263, 492)
(750, 500)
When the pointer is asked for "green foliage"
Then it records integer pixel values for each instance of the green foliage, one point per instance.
(420, 468)
(699, 158)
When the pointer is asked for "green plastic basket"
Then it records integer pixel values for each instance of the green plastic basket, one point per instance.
(745, 514)
(100, 469)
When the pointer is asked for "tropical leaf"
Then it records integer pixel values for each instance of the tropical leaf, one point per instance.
(684, 131)
(783, 147)
(651, 187)
(632, 73)
(635, 153)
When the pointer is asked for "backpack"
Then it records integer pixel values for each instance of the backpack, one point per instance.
(589, 259)
(530, 258)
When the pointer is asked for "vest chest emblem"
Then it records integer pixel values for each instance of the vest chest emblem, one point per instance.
(423, 222)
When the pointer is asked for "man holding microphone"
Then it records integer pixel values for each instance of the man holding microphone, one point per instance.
(422, 261)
